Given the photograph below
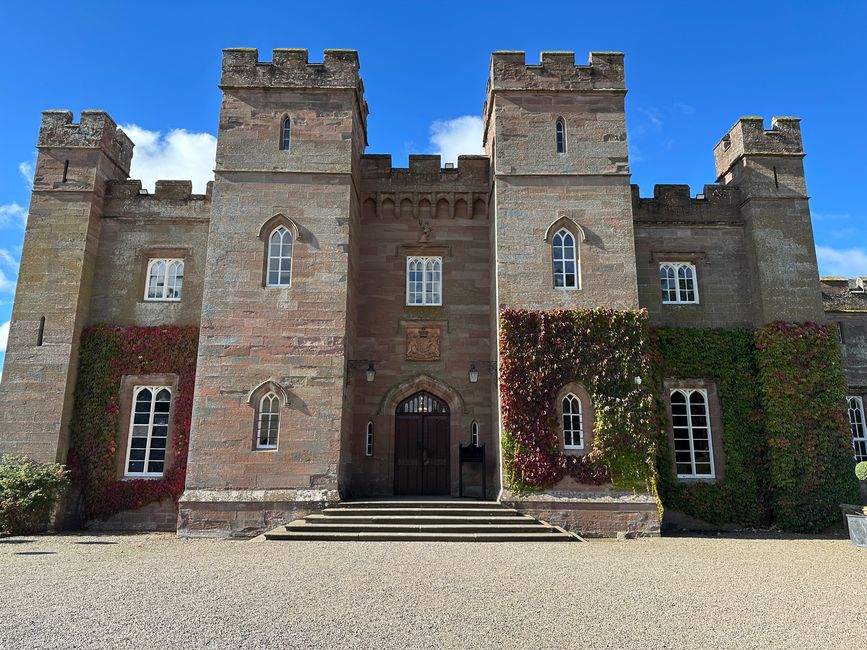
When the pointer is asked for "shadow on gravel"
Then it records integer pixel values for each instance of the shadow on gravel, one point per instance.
(95, 541)
(35, 553)
(17, 541)
(757, 535)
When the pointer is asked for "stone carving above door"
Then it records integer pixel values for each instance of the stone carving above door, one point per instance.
(423, 343)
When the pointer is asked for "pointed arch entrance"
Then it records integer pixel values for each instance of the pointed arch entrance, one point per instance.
(422, 445)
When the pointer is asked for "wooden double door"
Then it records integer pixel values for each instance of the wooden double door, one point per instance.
(421, 446)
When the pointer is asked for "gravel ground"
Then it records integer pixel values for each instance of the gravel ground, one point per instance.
(142, 591)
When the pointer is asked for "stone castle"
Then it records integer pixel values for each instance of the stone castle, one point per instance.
(348, 309)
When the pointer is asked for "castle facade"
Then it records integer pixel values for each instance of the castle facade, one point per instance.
(348, 311)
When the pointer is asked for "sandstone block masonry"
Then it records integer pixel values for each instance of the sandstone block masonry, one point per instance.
(333, 346)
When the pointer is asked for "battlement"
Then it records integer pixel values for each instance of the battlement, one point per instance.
(749, 136)
(674, 203)
(290, 68)
(426, 169)
(556, 71)
(94, 130)
(163, 191)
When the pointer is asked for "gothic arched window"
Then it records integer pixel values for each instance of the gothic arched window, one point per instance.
(268, 422)
(564, 255)
(279, 273)
(573, 422)
(149, 431)
(285, 134)
(165, 280)
(561, 135)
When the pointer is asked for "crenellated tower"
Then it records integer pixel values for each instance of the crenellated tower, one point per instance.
(74, 164)
(556, 136)
(290, 138)
(767, 166)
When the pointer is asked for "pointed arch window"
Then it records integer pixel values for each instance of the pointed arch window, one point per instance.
(268, 422)
(564, 255)
(279, 272)
(859, 433)
(368, 440)
(165, 280)
(148, 431)
(678, 282)
(561, 135)
(285, 133)
(474, 433)
(690, 422)
(573, 422)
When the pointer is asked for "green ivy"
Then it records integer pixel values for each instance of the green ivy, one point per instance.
(604, 350)
(727, 357)
(803, 393)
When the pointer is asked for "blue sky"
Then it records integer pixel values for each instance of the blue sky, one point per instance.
(692, 69)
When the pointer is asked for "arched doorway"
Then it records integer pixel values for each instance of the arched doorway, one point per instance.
(422, 440)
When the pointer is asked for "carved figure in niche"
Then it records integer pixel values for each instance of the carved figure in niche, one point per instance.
(423, 343)
(426, 230)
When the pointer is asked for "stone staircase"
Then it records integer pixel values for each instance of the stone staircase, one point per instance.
(448, 520)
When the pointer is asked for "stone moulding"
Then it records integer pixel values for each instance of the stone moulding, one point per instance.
(257, 496)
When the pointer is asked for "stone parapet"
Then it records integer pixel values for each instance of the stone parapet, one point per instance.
(717, 203)
(749, 136)
(290, 68)
(95, 130)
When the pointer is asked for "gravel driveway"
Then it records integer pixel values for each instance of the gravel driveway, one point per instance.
(155, 591)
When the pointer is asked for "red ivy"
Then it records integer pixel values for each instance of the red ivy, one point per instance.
(108, 353)
(603, 349)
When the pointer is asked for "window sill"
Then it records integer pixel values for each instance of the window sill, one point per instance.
(170, 300)
(147, 477)
(697, 479)
(274, 448)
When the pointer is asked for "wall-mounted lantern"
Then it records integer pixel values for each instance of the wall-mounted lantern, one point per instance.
(473, 373)
(356, 364)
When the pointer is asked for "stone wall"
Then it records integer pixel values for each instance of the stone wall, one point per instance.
(767, 166)
(136, 227)
(55, 279)
(707, 232)
(295, 337)
(422, 210)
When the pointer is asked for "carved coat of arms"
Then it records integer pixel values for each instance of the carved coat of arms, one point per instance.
(423, 343)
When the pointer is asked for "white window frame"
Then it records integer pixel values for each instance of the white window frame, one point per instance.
(276, 262)
(680, 292)
(687, 393)
(368, 440)
(561, 235)
(177, 286)
(474, 433)
(261, 415)
(858, 427)
(429, 286)
(572, 399)
(560, 136)
(155, 390)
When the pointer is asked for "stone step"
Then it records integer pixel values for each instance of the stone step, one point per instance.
(323, 536)
(327, 525)
(341, 511)
(417, 519)
(422, 503)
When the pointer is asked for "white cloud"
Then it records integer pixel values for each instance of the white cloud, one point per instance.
(12, 213)
(178, 155)
(4, 336)
(8, 259)
(849, 262)
(7, 285)
(452, 138)
(27, 169)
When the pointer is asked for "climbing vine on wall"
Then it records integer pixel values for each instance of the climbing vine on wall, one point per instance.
(803, 393)
(107, 353)
(726, 356)
(602, 349)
